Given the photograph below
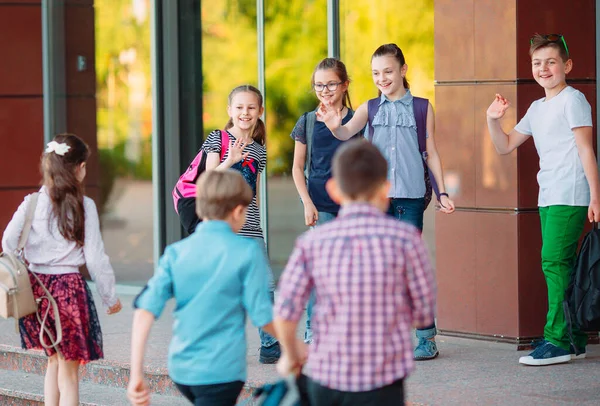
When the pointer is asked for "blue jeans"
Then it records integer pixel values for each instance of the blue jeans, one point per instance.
(410, 211)
(267, 340)
(324, 217)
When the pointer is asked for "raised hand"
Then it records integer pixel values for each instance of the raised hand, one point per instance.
(236, 151)
(331, 116)
(498, 107)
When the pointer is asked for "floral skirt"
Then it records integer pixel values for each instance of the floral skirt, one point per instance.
(81, 334)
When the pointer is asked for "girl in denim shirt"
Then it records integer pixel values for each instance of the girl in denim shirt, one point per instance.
(395, 134)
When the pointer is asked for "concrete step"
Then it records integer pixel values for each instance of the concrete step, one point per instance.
(109, 375)
(28, 389)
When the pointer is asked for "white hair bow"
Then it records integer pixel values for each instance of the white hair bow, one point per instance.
(59, 149)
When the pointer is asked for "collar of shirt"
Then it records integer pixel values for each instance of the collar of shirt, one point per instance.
(361, 208)
(218, 226)
(407, 99)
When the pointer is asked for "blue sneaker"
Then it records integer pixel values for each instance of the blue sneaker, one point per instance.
(270, 354)
(546, 354)
(426, 348)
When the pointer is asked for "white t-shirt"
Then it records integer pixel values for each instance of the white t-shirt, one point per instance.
(551, 123)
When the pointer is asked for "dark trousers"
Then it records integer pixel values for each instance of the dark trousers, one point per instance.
(390, 395)
(220, 394)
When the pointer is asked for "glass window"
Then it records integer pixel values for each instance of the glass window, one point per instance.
(229, 55)
(124, 135)
(296, 40)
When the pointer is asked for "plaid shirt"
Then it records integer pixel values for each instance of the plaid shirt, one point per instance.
(373, 282)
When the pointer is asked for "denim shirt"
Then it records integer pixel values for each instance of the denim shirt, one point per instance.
(395, 134)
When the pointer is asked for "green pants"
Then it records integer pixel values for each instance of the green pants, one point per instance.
(561, 228)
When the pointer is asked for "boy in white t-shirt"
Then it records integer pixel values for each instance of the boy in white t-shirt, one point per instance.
(561, 127)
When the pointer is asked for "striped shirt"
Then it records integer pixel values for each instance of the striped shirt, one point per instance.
(250, 168)
(373, 281)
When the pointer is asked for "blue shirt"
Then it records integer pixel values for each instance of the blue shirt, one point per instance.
(395, 135)
(324, 145)
(215, 277)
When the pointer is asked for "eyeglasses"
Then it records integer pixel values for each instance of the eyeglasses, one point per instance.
(556, 38)
(331, 86)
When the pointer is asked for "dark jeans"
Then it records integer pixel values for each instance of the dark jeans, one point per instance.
(220, 394)
(390, 395)
(410, 211)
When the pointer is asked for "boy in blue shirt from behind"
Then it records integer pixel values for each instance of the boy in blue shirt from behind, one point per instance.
(215, 277)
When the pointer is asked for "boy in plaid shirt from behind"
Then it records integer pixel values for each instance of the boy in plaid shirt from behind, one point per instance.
(373, 281)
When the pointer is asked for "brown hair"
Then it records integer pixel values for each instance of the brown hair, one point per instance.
(359, 169)
(340, 70)
(65, 190)
(219, 192)
(539, 41)
(259, 132)
(396, 52)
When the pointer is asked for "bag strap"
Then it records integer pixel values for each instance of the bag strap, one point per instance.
(42, 320)
(420, 107)
(28, 221)
(309, 130)
(372, 109)
(52, 303)
(224, 144)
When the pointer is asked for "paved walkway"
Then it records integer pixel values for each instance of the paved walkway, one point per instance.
(468, 372)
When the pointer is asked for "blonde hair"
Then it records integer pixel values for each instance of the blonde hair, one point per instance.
(219, 192)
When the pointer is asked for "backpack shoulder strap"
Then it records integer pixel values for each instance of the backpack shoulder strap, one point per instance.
(224, 143)
(420, 106)
(28, 220)
(309, 128)
(372, 109)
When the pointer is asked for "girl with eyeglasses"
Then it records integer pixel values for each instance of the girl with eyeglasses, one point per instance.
(314, 149)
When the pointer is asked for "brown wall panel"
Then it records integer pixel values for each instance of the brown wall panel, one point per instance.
(21, 50)
(494, 35)
(456, 271)
(533, 295)
(454, 50)
(455, 141)
(79, 38)
(22, 127)
(576, 20)
(496, 175)
(496, 264)
(9, 202)
(10, 3)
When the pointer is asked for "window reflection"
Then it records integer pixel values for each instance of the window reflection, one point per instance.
(124, 119)
(296, 40)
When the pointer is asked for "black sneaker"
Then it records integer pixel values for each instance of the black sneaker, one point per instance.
(546, 354)
(270, 354)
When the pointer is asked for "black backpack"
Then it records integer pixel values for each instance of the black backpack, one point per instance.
(582, 297)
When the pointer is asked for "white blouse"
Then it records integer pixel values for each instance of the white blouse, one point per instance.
(48, 252)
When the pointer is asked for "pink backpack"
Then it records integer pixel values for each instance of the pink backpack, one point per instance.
(186, 185)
